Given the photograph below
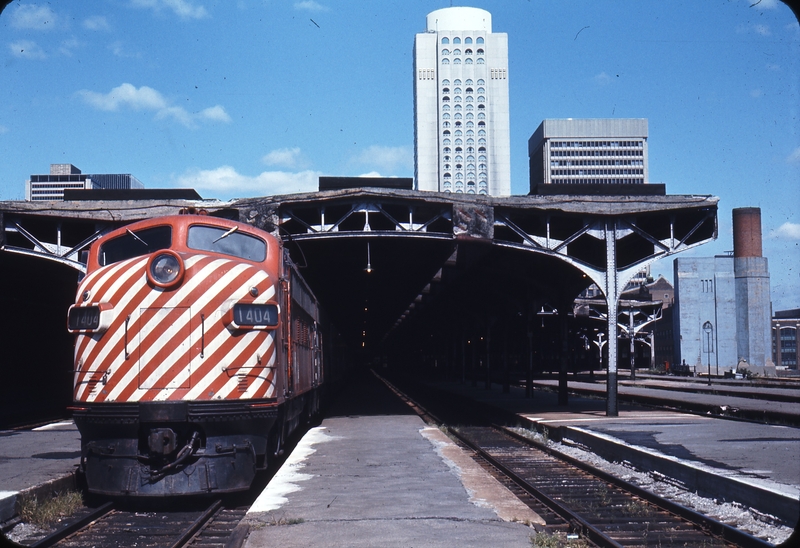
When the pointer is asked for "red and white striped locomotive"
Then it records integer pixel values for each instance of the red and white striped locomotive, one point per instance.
(197, 351)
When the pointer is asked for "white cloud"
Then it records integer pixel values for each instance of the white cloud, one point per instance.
(386, 158)
(284, 157)
(68, 46)
(763, 30)
(125, 95)
(27, 49)
(794, 157)
(181, 8)
(787, 231)
(4, 129)
(216, 113)
(763, 4)
(756, 93)
(118, 49)
(146, 98)
(310, 5)
(32, 16)
(225, 182)
(96, 22)
(602, 79)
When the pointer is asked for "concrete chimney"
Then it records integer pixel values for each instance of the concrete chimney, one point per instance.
(753, 307)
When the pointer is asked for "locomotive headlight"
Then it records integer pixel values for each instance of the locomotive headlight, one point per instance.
(165, 269)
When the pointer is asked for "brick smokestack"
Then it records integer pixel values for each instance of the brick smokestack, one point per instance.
(747, 232)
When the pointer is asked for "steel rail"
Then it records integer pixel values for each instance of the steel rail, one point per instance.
(204, 518)
(588, 530)
(70, 528)
(716, 528)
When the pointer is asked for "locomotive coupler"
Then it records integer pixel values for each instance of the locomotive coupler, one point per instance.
(161, 441)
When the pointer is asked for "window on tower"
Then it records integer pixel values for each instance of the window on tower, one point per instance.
(481, 82)
(467, 40)
(456, 52)
(457, 82)
(479, 40)
(480, 51)
(445, 82)
(467, 51)
(468, 61)
(445, 61)
(456, 61)
(456, 40)
(481, 61)
(445, 40)
(445, 52)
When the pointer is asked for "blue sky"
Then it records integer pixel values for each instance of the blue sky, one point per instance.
(254, 98)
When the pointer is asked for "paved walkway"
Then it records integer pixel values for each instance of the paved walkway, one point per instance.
(30, 458)
(383, 481)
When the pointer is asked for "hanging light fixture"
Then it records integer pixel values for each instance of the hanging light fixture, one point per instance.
(368, 270)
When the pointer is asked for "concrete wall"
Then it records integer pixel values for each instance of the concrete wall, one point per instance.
(754, 311)
(705, 292)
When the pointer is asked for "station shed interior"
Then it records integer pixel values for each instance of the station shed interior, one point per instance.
(469, 287)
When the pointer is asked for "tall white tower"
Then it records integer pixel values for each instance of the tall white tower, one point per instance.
(461, 118)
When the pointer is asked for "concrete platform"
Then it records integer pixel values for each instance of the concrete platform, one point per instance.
(746, 462)
(381, 477)
(40, 459)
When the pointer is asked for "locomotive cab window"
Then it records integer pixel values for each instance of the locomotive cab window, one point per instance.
(133, 244)
(227, 241)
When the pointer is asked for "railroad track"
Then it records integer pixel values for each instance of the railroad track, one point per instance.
(107, 526)
(577, 498)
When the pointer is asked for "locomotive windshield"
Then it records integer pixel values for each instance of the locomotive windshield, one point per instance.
(132, 244)
(227, 241)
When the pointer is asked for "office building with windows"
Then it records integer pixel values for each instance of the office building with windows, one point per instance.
(589, 151)
(461, 111)
(68, 177)
(785, 325)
